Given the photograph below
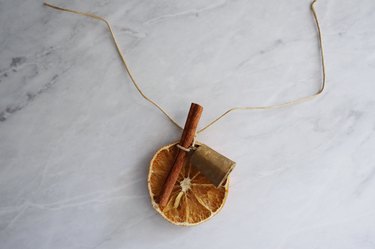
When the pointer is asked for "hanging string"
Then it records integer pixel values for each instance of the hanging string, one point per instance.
(269, 107)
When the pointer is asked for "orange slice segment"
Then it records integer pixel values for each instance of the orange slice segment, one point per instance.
(193, 200)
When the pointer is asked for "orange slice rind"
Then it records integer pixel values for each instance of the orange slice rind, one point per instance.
(193, 200)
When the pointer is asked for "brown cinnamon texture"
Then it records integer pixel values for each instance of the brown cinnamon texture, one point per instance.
(186, 141)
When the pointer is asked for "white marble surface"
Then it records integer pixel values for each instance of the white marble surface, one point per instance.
(76, 138)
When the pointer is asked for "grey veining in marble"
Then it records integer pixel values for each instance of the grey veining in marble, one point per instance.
(76, 138)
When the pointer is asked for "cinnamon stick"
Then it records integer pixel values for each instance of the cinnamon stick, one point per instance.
(186, 141)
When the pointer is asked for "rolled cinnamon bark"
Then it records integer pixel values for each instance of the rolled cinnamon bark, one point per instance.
(186, 141)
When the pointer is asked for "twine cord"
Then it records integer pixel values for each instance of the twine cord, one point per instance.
(153, 102)
(191, 148)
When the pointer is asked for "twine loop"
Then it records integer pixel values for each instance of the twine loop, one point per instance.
(191, 148)
(183, 148)
(295, 101)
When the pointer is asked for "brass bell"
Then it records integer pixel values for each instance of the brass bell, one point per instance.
(213, 165)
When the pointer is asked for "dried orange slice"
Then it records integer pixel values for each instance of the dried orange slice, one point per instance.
(193, 200)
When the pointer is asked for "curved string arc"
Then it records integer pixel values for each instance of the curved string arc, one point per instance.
(244, 108)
